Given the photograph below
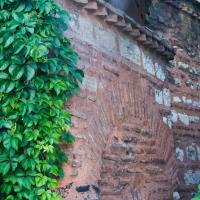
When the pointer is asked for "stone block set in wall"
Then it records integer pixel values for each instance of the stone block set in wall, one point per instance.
(136, 118)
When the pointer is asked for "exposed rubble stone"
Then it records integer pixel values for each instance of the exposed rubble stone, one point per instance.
(179, 154)
(192, 177)
(164, 16)
(176, 196)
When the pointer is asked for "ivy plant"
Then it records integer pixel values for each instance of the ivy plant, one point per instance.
(197, 196)
(38, 73)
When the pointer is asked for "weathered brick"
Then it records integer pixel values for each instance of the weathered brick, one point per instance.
(118, 124)
(89, 83)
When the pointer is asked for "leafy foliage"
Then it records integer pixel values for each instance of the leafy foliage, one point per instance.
(38, 74)
(197, 196)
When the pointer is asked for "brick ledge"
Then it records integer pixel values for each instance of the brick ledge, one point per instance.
(124, 23)
(183, 7)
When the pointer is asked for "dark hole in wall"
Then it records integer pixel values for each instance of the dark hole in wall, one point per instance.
(136, 9)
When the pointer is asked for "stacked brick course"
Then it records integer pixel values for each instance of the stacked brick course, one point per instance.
(136, 117)
(181, 27)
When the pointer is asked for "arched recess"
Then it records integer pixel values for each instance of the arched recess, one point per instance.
(138, 160)
(122, 143)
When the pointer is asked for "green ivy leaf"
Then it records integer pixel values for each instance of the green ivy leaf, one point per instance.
(18, 73)
(30, 30)
(52, 183)
(12, 68)
(9, 41)
(68, 138)
(2, 2)
(7, 143)
(7, 124)
(20, 7)
(27, 182)
(6, 188)
(4, 157)
(13, 25)
(9, 87)
(38, 73)
(40, 181)
(4, 167)
(14, 143)
(30, 72)
(3, 75)
(14, 166)
(4, 65)
(38, 52)
(18, 46)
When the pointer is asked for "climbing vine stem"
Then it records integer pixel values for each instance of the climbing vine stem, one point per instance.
(38, 73)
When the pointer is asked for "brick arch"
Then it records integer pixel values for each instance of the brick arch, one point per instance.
(122, 145)
(138, 160)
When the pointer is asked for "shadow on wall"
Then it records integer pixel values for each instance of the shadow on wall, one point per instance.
(136, 9)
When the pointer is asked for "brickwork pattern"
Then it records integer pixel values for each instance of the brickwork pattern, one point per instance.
(136, 117)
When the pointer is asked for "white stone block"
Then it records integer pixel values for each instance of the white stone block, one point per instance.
(184, 118)
(85, 29)
(89, 83)
(177, 100)
(174, 116)
(192, 177)
(159, 96)
(179, 154)
(191, 152)
(183, 66)
(187, 101)
(73, 23)
(196, 103)
(105, 38)
(194, 119)
(148, 64)
(167, 97)
(167, 121)
(176, 196)
(160, 73)
(177, 81)
(130, 50)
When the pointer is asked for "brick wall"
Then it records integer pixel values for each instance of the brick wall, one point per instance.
(177, 23)
(136, 118)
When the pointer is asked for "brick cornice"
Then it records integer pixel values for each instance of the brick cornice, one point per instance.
(184, 7)
(124, 23)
